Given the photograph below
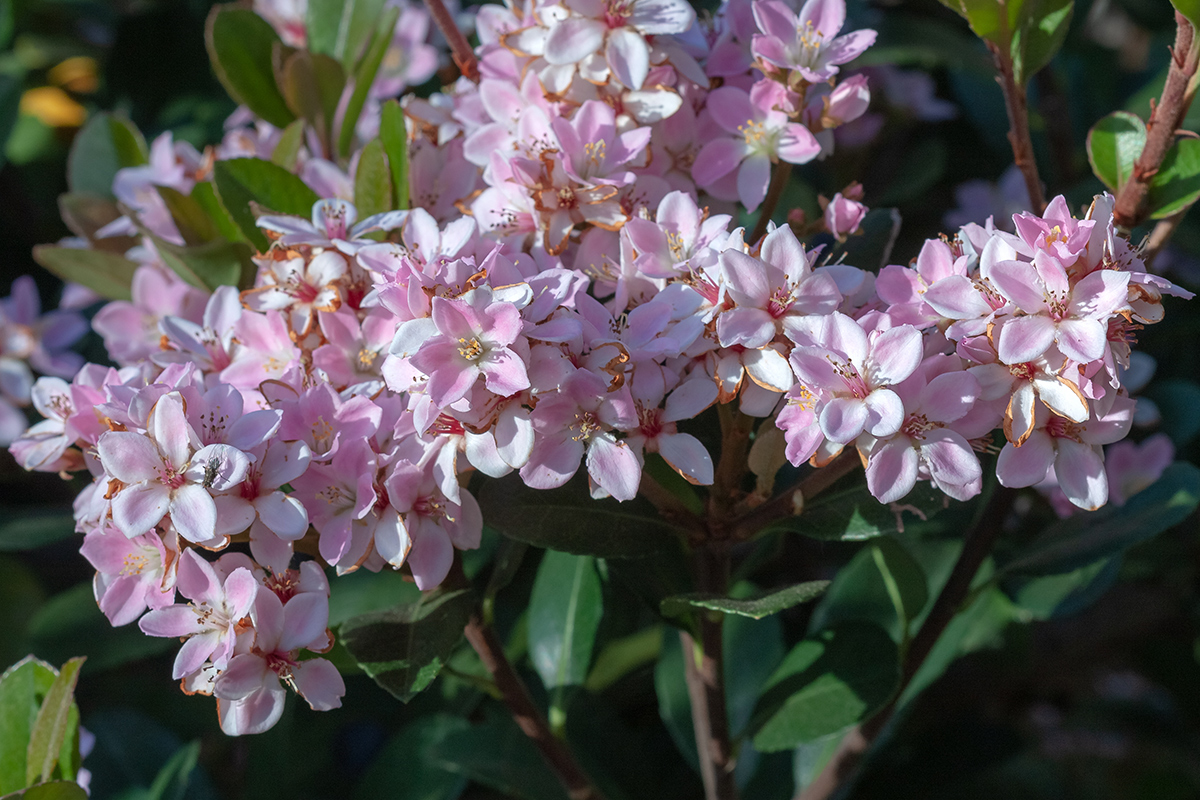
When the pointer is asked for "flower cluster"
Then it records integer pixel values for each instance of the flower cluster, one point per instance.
(559, 298)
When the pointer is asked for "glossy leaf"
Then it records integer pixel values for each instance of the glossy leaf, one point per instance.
(288, 149)
(22, 687)
(205, 196)
(172, 780)
(364, 76)
(104, 145)
(1189, 9)
(848, 512)
(569, 520)
(1038, 36)
(207, 266)
(1176, 185)
(564, 616)
(496, 754)
(404, 768)
(1113, 145)
(1084, 538)
(861, 590)
(363, 591)
(241, 181)
(339, 28)
(51, 728)
(11, 89)
(53, 790)
(827, 683)
(312, 85)
(404, 648)
(372, 181)
(239, 45)
(193, 222)
(85, 214)
(394, 136)
(107, 274)
(755, 608)
(622, 656)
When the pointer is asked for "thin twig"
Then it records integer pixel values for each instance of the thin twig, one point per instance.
(1129, 211)
(779, 179)
(731, 467)
(671, 508)
(787, 502)
(704, 672)
(460, 48)
(845, 761)
(526, 713)
(1018, 133)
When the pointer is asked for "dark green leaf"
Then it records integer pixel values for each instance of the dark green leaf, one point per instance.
(509, 555)
(312, 84)
(848, 512)
(172, 780)
(1176, 185)
(364, 76)
(755, 608)
(70, 624)
(373, 181)
(30, 529)
(205, 196)
(569, 520)
(395, 144)
(861, 590)
(339, 28)
(11, 89)
(404, 769)
(240, 181)
(85, 214)
(22, 687)
(1189, 9)
(54, 790)
(20, 597)
(404, 648)
(986, 18)
(564, 615)
(50, 730)
(362, 592)
(871, 248)
(107, 274)
(103, 146)
(288, 149)
(827, 683)
(1038, 35)
(622, 656)
(975, 628)
(496, 754)
(239, 46)
(207, 266)
(193, 222)
(1059, 595)
(1113, 144)
(1177, 402)
(1084, 538)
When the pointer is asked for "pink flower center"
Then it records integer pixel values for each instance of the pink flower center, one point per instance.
(1056, 302)
(917, 425)
(617, 13)
(1022, 372)
(855, 383)
(651, 422)
(781, 300)
(1062, 428)
(281, 664)
(171, 478)
(585, 426)
(335, 224)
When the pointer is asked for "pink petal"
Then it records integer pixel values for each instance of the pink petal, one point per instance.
(1026, 465)
(245, 675)
(240, 591)
(194, 653)
(319, 683)
(892, 470)
(173, 621)
(662, 16)
(628, 57)
(956, 297)
(769, 369)
(614, 466)
(952, 464)
(1020, 283)
(827, 16)
(894, 356)
(1025, 338)
(843, 418)
(687, 456)
(949, 396)
(716, 159)
(285, 516)
(731, 108)
(796, 144)
(573, 40)
(129, 457)
(137, 509)
(194, 513)
(1100, 294)
(305, 618)
(430, 557)
(753, 177)
(1080, 472)
(885, 412)
(1081, 340)
(168, 427)
(1062, 397)
(256, 713)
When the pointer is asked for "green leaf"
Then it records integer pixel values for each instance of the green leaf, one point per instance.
(33, 528)
(394, 136)
(239, 45)
(1190, 9)
(85, 214)
(362, 592)
(509, 555)
(373, 181)
(339, 28)
(207, 266)
(312, 84)
(848, 512)
(240, 181)
(193, 222)
(1176, 185)
(891, 596)
(622, 656)
(54, 790)
(364, 76)
(11, 89)
(70, 624)
(986, 18)
(564, 615)
(827, 683)
(569, 520)
(50, 730)
(1039, 34)
(755, 608)
(22, 687)
(172, 780)
(404, 768)
(1059, 595)
(103, 146)
(288, 149)
(1084, 538)
(496, 754)
(205, 196)
(107, 274)
(404, 648)
(1177, 401)
(1113, 145)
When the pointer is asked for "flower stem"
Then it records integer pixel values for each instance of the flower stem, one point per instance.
(460, 48)
(1016, 105)
(526, 713)
(704, 671)
(844, 763)
(1129, 211)
(791, 501)
(779, 179)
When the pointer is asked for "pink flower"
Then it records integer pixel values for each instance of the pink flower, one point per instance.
(1132, 467)
(250, 696)
(806, 42)
(432, 525)
(209, 623)
(333, 225)
(300, 287)
(843, 216)
(132, 574)
(165, 472)
(758, 138)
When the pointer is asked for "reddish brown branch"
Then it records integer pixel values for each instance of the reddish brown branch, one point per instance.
(1016, 105)
(526, 713)
(1166, 116)
(791, 501)
(460, 48)
(779, 179)
(846, 759)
